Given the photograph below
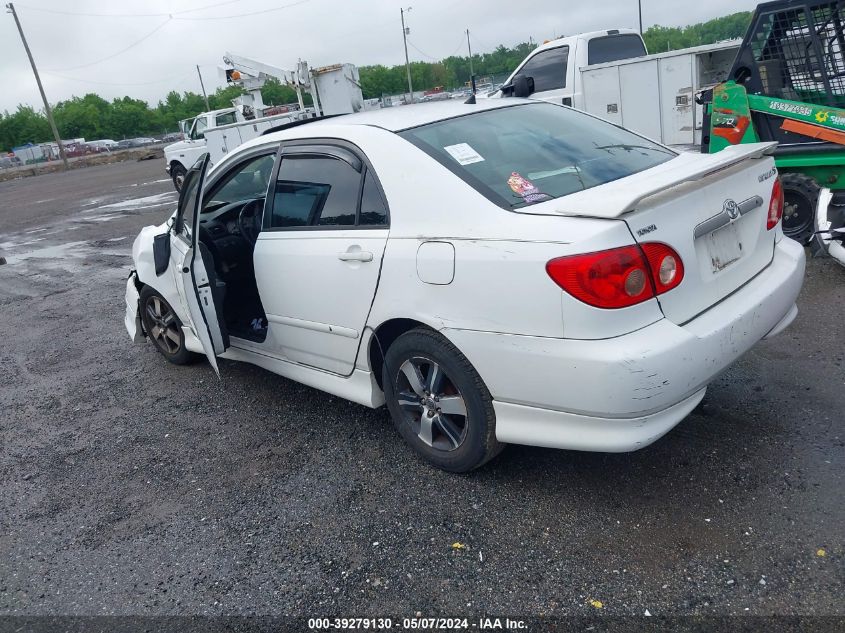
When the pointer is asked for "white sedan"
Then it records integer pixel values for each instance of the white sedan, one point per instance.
(506, 272)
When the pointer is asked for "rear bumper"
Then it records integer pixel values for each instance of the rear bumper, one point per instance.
(519, 424)
(623, 393)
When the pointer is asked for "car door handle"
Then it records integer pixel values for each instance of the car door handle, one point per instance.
(355, 256)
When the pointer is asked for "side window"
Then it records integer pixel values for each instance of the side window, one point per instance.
(315, 191)
(188, 197)
(547, 68)
(199, 128)
(612, 48)
(226, 119)
(247, 181)
(373, 209)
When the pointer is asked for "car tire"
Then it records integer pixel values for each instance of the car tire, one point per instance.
(801, 196)
(164, 328)
(438, 402)
(177, 173)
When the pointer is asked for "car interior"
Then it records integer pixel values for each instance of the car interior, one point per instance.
(329, 189)
(229, 223)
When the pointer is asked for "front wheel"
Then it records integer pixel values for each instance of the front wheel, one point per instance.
(438, 402)
(164, 328)
(800, 198)
(178, 172)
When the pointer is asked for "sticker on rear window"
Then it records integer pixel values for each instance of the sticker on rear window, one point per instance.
(464, 154)
(521, 186)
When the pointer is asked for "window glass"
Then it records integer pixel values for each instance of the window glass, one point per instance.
(614, 47)
(373, 209)
(226, 119)
(199, 128)
(188, 196)
(315, 191)
(526, 154)
(247, 181)
(547, 68)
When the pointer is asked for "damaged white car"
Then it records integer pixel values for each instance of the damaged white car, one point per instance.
(506, 272)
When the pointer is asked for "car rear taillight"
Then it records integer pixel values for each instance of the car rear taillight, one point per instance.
(619, 277)
(667, 269)
(775, 206)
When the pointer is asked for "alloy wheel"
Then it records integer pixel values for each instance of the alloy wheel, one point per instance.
(164, 328)
(431, 404)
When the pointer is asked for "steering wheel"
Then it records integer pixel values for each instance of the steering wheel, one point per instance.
(249, 220)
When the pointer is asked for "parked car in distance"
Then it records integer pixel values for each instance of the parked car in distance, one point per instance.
(103, 145)
(125, 144)
(510, 271)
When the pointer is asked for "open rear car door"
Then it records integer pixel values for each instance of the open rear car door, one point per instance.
(204, 291)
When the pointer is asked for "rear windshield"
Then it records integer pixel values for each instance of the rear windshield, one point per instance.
(613, 48)
(526, 154)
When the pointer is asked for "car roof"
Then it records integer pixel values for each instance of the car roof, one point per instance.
(400, 118)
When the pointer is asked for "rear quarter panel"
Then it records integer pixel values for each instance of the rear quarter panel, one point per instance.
(500, 283)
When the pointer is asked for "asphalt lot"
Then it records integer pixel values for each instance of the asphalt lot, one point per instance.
(131, 486)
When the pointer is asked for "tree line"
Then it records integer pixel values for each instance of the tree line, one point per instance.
(93, 117)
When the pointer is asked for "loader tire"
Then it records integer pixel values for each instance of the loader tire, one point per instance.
(800, 197)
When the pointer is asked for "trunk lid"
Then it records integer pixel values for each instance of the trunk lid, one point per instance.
(718, 227)
(711, 210)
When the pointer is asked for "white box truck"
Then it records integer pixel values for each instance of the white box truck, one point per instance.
(334, 89)
(609, 74)
(655, 95)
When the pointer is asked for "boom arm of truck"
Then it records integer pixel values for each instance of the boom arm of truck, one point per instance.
(252, 74)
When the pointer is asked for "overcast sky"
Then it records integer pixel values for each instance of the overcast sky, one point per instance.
(165, 46)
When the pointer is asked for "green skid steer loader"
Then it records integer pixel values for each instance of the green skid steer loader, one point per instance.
(787, 84)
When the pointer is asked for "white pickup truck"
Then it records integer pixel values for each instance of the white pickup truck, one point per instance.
(218, 132)
(609, 74)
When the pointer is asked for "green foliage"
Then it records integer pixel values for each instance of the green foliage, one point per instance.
(24, 126)
(659, 39)
(452, 72)
(93, 117)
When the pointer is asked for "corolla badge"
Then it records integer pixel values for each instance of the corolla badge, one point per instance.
(731, 208)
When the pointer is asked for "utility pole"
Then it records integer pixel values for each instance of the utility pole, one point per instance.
(405, 32)
(469, 46)
(202, 85)
(640, 4)
(11, 9)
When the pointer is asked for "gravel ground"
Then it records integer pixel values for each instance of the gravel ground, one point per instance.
(131, 486)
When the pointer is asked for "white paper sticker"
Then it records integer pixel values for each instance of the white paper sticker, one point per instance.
(464, 154)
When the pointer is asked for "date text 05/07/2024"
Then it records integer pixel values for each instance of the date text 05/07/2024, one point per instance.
(417, 623)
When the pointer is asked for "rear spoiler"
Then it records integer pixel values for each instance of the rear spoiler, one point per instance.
(624, 195)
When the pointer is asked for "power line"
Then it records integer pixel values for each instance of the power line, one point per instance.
(457, 48)
(423, 53)
(120, 52)
(175, 15)
(489, 48)
(244, 15)
(128, 15)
